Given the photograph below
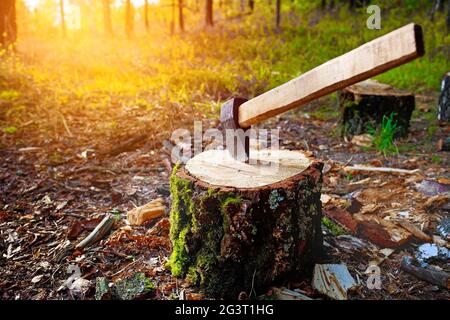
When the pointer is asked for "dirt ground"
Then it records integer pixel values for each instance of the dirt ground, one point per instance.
(56, 186)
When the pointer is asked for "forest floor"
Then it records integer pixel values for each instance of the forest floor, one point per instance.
(49, 201)
(82, 131)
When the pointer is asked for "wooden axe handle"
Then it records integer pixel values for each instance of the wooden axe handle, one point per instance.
(375, 57)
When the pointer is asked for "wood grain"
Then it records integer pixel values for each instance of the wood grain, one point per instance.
(218, 168)
(389, 51)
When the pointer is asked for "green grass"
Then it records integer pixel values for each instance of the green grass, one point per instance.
(326, 112)
(10, 130)
(436, 159)
(9, 95)
(200, 69)
(333, 227)
(383, 136)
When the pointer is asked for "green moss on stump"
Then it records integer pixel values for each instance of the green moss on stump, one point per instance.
(225, 240)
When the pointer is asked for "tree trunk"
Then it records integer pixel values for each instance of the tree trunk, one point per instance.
(365, 104)
(440, 5)
(8, 24)
(352, 5)
(251, 5)
(278, 13)
(180, 15)
(172, 22)
(129, 23)
(209, 13)
(448, 17)
(107, 17)
(444, 99)
(325, 6)
(147, 24)
(233, 230)
(435, 7)
(63, 18)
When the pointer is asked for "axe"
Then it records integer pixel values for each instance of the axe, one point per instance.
(375, 57)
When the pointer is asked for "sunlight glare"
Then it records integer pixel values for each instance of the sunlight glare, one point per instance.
(31, 4)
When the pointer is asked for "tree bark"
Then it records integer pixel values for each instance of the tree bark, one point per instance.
(8, 24)
(227, 240)
(351, 5)
(364, 105)
(107, 17)
(209, 20)
(63, 19)
(129, 23)
(251, 5)
(278, 13)
(147, 24)
(180, 15)
(172, 22)
(444, 99)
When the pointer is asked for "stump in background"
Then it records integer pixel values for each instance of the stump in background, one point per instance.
(365, 104)
(238, 227)
(444, 99)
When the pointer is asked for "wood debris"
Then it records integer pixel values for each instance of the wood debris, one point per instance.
(333, 280)
(380, 169)
(428, 274)
(98, 233)
(286, 294)
(151, 210)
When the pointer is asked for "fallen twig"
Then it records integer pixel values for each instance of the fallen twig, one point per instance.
(126, 267)
(66, 126)
(380, 169)
(99, 232)
(416, 232)
(115, 170)
(125, 146)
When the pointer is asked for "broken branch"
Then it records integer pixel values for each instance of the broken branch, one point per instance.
(380, 169)
(98, 233)
(436, 277)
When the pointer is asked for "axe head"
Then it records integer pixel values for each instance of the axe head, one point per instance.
(237, 141)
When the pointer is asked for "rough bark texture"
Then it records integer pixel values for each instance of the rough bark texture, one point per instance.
(229, 240)
(444, 99)
(365, 104)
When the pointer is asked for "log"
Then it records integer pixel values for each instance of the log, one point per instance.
(444, 99)
(433, 276)
(364, 105)
(238, 227)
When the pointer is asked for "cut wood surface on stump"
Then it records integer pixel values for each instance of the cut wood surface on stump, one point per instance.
(239, 227)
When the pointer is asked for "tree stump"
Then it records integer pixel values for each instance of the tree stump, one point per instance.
(238, 227)
(444, 99)
(365, 104)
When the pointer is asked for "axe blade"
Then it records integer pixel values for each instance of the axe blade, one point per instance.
(240, 141)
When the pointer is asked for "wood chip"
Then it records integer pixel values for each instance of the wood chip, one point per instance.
(151, 210)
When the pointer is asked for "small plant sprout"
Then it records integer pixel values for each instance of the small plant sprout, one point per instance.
(383, 136)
